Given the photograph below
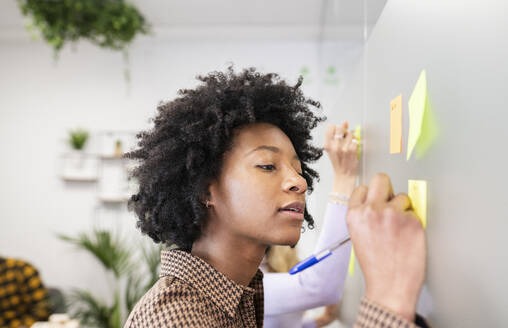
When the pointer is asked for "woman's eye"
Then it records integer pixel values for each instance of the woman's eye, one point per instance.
(268, 167)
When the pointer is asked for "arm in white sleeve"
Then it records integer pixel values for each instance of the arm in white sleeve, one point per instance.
(309, 323)
(318, 285)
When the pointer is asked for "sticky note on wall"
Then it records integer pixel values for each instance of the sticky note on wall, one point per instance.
(396, 125)
(422, 123)
(417, 106)
(351, 267)
(358, 137)
(417, 192)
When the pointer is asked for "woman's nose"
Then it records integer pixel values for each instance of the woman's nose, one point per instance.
(296, 183)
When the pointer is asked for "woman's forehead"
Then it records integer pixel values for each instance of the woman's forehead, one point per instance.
(262, 137)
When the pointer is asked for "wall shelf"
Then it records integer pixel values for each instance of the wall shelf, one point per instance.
(79, 166)
(106, 166)
(114, 198)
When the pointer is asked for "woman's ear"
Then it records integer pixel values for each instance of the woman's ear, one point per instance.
(207, 198)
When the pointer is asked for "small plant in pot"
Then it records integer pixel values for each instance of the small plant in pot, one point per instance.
(118, 149)
(77, 141)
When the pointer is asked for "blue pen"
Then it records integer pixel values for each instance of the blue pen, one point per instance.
(313, 259)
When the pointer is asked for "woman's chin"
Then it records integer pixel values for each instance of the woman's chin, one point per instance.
(289, 239)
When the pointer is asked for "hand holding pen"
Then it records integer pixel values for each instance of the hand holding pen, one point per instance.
(341, 147)
(316, 258)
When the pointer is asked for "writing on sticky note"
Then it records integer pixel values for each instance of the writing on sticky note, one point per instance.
(417, 192)
(396, 125)
(351, 267)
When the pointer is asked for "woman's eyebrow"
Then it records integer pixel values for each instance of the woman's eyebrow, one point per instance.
(270, 148)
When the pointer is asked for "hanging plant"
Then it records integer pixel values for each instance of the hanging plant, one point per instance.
(109, 24)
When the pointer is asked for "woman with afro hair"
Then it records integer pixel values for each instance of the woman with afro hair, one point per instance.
(223, 174)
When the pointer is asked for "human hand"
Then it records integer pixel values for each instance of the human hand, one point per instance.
(389, 242)
(341, 147)
(330, 314)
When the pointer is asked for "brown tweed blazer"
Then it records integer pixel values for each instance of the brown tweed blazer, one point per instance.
(192, 293)
(372, 315)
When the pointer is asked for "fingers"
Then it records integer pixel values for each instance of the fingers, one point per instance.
(401, 202)
(330, 132)
(344, 125)
(340, 141)
(415, 217)
(347, 140)
(380, 189)
(403, 208)
(334, 136)
(340, 130)
(358, 196)
(341, 135)
(354, 145)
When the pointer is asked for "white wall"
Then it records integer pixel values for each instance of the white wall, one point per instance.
(463, 45)
(41, 99)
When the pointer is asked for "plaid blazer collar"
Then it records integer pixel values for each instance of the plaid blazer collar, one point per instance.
(224, 292)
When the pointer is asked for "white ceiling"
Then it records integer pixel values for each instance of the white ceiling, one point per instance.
(211, 19)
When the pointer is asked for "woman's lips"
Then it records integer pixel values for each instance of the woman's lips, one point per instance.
(293, 210)
(292, 214)
(295, 206)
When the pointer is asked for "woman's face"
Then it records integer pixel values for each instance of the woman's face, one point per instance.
(260, 194)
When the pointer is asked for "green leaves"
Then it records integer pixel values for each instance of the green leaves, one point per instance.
(137, 285)
(91, 311)
(95, 313)
(107, 23)
(151, 256)
(78, 138)
(110, 251)
(132, 279)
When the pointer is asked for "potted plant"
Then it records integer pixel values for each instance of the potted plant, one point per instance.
(130, 279)
(78, 139)
(118, 149)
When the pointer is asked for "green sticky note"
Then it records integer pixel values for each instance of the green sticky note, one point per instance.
(417, 106)
(422, 124)
(417, 192)
(428, 133)
(351, 267)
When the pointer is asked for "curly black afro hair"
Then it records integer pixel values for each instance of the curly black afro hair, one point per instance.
(184, 150)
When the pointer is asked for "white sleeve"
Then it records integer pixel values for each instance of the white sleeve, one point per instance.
(318, 285)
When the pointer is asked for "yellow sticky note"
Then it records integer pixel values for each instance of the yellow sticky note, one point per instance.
(358, 136)
(351, 267)
(417, 105)
(396, 125)
(417, 192)
(422, 122)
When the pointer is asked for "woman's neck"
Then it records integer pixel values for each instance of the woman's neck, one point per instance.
(235, 257)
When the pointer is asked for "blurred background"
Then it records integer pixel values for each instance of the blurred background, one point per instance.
(70, 108)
